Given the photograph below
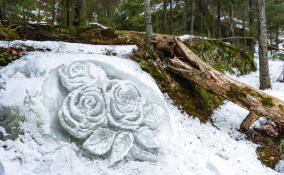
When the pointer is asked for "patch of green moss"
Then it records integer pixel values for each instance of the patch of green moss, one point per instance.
(269, 154)
(210, 99)
(187, 96)
(281, 107)
(236, 91)
(109, 33)
(4, 59)
(267, 101)
(223, 57)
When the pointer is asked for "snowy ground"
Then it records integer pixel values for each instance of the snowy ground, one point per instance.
(194, 148)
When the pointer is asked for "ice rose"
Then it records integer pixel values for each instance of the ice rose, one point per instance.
(80, 73)
(125, 105)
(83, 110)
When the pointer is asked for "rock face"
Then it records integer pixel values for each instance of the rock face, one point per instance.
(112, 115)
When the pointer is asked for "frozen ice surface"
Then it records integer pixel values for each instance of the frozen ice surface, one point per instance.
(29, 85)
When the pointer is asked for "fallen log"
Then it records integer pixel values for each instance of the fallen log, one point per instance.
(188, 65)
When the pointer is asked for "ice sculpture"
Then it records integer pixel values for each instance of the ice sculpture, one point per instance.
(2, 172)
(112, 115)
(80, 73)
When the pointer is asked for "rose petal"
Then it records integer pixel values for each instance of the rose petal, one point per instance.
(142, 155)
(81, 73)
(100, 141)
(146, 138)
(154, 116)
(121, 146)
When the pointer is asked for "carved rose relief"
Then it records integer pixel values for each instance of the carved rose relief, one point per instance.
(111, 115)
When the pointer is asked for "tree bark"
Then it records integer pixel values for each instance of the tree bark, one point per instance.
(200, 17)
(148, 23)
(67, 12)
(244, 28)
(262, 40)
(186, 64)
(4, 8)
(277, 37)
(251, 25)
(77, 12)
(165, 4)
(192, 17)
(212, 19)
(219, 18)
(172, 20)
(53, 12)
(185, 15)
(231, 19)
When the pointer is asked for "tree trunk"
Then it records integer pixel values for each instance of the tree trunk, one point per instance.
(84, 12)
(148, 23)
(251, 25)
(200, 17)
(219, 18)
(192, 17)
(4, 6)
(196, 70)
(244, 28)
(165, 4)
(68, 12)
(185, 9)
(277, 37)
(171, 16)
(53, 12)
(231, 20)
(212, 19)
(77, 12)
(262, 40)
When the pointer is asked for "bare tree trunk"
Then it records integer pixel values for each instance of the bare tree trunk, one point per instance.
(4, 9)
(68, 12)
(165, 4)
(200, 17)
(244, 28)
(171, 16)
(185, 9)
(53, 12)
(277, 37)
(219, 18)
(84, 12)
(192, 17)
(251, 25)
(212, 19)
(262, 40)
(231, 20)
(77, 12)
(148, 23)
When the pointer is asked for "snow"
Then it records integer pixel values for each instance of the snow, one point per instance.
(239, 22)
(98, 24)
(194, 148)
(186, 37)
(63, 47)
